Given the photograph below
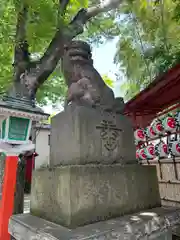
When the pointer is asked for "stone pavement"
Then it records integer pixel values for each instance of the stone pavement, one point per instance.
(150, 224)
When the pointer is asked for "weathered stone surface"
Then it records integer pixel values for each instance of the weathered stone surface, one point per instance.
(78, 195)
(145, 225)
(85, 85)
(82, 135)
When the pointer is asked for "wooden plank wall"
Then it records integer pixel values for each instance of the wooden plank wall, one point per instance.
(168, 172)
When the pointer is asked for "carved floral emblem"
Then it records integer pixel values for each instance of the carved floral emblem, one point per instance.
(109, 134)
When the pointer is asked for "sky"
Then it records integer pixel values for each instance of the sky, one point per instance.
(103, 56)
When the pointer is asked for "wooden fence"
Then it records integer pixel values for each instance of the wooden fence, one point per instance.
(168, 172)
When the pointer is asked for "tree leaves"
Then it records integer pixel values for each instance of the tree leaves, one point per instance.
(149, 42)
(42, 23)
(109, 82)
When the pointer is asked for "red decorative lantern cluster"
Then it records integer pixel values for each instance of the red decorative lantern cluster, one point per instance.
(151, 151)
(145, 152)
(158, 128)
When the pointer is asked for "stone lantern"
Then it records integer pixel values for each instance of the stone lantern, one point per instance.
(16, 117)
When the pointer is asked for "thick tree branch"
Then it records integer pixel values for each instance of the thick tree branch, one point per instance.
(61, 11)
(54, 52)
(105, 6)
(83, 16)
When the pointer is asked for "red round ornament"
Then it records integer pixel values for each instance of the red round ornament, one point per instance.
(142, 154)
(139, 135)
(169, 124)
(158, 127)
(150, 133)
(150, 151)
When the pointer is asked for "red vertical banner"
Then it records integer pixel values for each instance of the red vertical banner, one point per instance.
(7, 201)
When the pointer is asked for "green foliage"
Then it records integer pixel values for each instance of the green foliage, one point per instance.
(149, 42)
(109, 82)
(129, 89)
(53, 90)
(42, 22)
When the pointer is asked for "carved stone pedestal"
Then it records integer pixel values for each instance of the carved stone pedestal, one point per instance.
(77, 195)
(82, 135)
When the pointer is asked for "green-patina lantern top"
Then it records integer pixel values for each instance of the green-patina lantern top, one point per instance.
(16, 115)
(21, 107)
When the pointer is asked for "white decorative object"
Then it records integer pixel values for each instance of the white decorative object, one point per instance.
(161, 149)
(175, 148)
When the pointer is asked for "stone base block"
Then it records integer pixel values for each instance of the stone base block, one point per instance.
(82, 135)
(77, 195)
(153, 224)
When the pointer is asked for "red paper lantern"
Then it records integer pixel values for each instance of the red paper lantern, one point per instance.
(150, 133)
(169, 124)
(158, 127)
(139, 135)
(142, 154)
(150, 151)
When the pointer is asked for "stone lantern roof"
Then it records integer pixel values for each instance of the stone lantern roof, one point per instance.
(21, 107)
